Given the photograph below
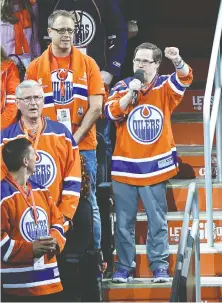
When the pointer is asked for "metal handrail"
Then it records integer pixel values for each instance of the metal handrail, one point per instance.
(211, 121)
(192, 206)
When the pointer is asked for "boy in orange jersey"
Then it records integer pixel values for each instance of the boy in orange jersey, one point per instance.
(145, 154)
(74, 92)
(58, 162)
(31, 231)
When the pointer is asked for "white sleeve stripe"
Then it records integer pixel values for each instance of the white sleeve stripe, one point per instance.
(182, 84)
(9, 251)
(73, 179)
(179, 92)
(71, 193)
(49, 105)
(4, 240)
(10, 101)
(10, 96)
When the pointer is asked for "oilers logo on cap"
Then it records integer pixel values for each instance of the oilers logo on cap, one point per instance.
(145, 124)
(29, 230)
(45, 169)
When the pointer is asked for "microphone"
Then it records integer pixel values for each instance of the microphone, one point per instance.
(139, 74)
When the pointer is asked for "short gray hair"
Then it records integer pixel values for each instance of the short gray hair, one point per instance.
(26, 84)
(58, 13)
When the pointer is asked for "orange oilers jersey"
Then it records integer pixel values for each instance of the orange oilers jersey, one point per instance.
(68, 90)
(145, 151)
(18, 231)
(9, 82)
(58, 164)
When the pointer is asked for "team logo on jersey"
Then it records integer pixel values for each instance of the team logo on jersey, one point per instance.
(28, 228)
(45, 169)
(85, 29)
(145, 124)
(62, 86)
(80, 111)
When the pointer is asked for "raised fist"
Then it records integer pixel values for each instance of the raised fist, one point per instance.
(172, 53)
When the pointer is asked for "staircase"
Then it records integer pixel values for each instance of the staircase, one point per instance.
(192, 31)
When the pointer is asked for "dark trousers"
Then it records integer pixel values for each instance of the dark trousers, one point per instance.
(80, 264)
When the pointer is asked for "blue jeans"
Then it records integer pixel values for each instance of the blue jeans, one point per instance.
(126, 205)
(91, 167)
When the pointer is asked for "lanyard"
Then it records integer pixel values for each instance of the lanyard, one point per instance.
(37, 134)
(62, 74)
(25, 196)
(153, 82)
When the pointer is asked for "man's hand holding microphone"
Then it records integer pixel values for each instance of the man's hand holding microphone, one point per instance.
(134, 87)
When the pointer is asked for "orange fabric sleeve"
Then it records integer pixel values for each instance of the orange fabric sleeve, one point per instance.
(8, 115)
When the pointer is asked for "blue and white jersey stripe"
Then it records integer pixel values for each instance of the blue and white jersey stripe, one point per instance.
(78, 91)
(176, 84)
(28, 277)
(108, 113)
(72, 187)
(144, 168)
(59, 228)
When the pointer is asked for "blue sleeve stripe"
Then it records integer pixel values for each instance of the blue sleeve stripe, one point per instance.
(59, 228)
(72, 186)
(174, 81)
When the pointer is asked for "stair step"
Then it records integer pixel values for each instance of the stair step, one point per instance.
(188, 128)
(210, 260)
(143, 289)
(177, 216)
(175, 225)
(191, 162)
(177, 190)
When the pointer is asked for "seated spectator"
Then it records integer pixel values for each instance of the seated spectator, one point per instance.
(9, 81)
(58, 164)
(31, 231)
(19, 29)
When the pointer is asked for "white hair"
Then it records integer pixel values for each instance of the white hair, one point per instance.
(26, 84)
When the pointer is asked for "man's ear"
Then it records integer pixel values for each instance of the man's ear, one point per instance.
(17, 103)
(49, 32)
(25, 161)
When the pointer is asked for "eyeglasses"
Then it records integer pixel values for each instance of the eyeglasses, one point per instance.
(144, 62)
(61, 31)
(30, 98)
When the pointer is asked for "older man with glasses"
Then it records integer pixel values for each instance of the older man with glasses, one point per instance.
(58, 161)
(145, 155)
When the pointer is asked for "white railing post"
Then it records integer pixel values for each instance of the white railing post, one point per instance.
(208, 132)
(218, 83)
